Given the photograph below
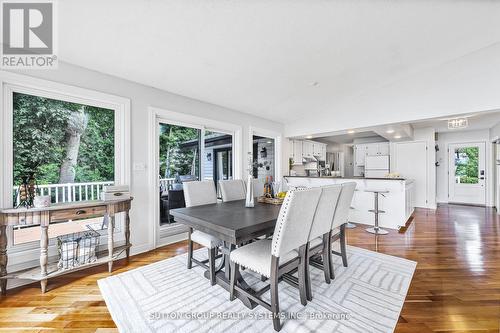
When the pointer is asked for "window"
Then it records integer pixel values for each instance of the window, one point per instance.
(178, 162)
(466, 165)
(54, 133)
(263, 158)
(218, 155)
(67, 149)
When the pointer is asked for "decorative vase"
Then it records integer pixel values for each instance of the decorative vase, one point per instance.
(249, 201)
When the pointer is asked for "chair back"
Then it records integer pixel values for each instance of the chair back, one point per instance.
(323, 218)
(198, 193)
(344, 204)
(295, 220)
(232, 189)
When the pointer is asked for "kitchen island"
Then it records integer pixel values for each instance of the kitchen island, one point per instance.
(397, 202)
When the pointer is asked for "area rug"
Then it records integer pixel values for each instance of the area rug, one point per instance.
(165, 296)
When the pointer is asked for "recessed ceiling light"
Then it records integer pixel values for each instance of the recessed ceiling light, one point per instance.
(397, 136)
(309, 137)
(390, 131)
(351, 131)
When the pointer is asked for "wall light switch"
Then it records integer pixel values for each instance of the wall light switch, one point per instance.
(139, 166)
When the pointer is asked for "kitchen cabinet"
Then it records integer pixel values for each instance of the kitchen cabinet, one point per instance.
(359, 155)
(380, 148)
(369, 149)
(302, 149)
(383, 148)
(307, 149)
(297, 152)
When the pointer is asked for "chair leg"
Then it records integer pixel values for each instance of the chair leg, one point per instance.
(326, 257)
(302, 275)
(343, 245)
(307, 275)
(190, 250)
(273, 280)
(211, 264)
(232, 282)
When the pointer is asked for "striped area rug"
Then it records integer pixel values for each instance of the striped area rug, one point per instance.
(365, 297)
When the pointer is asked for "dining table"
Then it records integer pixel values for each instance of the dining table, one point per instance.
(235, 225)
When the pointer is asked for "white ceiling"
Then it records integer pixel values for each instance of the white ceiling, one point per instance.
(263, 57)
(475, 121)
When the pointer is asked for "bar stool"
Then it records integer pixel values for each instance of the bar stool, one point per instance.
(350, 225)
(376, 229)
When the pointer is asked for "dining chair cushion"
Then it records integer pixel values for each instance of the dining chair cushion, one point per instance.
(257, 257)
(198, 193)
(344, 204)
(323, 218)
(295, 220)
(232, 189)
(315, 242)
(205, 240)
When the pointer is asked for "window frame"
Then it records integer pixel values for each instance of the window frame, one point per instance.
(161, 234)
(12, 83)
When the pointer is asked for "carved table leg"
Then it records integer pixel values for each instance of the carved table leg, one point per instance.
(44, 256)
(127, 233)
(3, 258)
(111, 227)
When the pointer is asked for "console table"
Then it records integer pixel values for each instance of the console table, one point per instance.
(60, 213)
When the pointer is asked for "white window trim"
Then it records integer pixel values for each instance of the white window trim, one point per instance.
(21, 255)
(277, 136)
(157, 115)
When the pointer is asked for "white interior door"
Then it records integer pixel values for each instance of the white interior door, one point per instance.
(467, 173)
(411, 163)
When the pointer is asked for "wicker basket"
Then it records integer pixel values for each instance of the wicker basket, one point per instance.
(77, 249)
(271, 201)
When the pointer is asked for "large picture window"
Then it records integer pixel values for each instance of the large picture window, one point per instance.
(67, 148)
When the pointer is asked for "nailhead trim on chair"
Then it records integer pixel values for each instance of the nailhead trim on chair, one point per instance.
(282, 218)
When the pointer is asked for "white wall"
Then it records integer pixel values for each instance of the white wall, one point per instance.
(444, 139)
(468, 84)
(141, 98)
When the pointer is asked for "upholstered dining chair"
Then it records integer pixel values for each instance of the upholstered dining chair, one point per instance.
(232, 190)
(198, 193)
(319, 236)
(273, 258)
(339, 222)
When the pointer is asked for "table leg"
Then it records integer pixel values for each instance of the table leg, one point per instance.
(3, 258)
(44, 255)
(223, 277)
(111, 243)
(127, 233)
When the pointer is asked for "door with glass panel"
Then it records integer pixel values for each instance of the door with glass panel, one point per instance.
(187, 153)
(467, 175)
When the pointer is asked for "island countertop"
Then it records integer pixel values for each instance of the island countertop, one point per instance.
(397, 201)
(354, 178)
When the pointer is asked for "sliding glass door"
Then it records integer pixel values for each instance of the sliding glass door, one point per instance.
(188, 153)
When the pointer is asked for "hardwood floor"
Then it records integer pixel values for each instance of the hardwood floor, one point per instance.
(456, 286)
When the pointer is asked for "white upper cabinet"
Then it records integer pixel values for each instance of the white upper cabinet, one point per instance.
(359, 155)
(372, 149)
(297, 152)
(300, 150)
(369, 149)
(307, 149)
(383, 148)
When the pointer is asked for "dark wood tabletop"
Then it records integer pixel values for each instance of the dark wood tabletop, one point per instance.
(230, 221)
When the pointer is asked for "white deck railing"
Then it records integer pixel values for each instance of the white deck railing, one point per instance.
(70, 192)
(165, 183)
